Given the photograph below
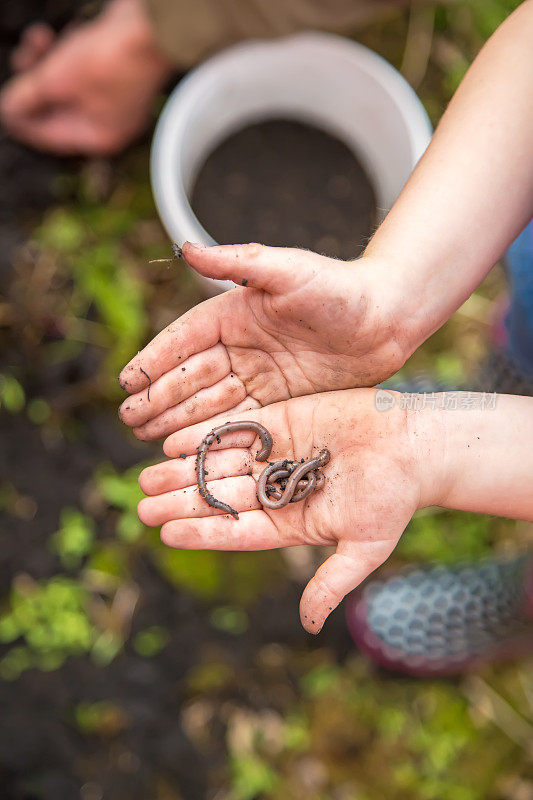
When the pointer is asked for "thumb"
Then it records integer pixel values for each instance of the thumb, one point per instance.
(274, 269)
(337, 576)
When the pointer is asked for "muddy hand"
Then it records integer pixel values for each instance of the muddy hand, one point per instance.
(371, 488)
(296, 324)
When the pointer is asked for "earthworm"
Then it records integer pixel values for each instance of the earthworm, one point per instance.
(304, 488)
(149, 381)
(291, 492)
(297, 480)
(216, 433)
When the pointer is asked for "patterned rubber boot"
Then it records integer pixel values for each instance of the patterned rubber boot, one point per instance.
(438, 620)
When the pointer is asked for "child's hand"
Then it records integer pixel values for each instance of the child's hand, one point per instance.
(377, 477)
(297, 324)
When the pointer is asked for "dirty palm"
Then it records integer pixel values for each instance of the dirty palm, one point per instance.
(294, 328)
(350, 512)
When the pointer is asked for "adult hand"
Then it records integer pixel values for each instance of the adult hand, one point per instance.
(298, 323)
(91, 90)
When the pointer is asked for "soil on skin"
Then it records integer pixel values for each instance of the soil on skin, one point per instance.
(288, 184)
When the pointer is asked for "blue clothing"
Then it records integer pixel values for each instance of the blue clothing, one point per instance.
(519, 320)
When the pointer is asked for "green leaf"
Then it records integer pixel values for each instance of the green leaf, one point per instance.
(62, 230)
(38, 411)
(198, 571)
(106, 647)
(151, 641)
(230, 619)
(12, 395)
(74, 539)
(120, 490)
(252, 777)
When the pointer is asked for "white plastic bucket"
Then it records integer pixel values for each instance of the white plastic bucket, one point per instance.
(322, 79)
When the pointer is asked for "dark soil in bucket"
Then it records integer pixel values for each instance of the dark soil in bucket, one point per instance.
(286, 183)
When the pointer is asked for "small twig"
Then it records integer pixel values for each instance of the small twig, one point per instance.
(418, 45)
(176, 249)
(495, 708)
(149, 381)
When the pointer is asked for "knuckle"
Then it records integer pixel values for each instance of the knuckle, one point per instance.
(253, 250)
(190, 406)
(143, 432)
(235, 390)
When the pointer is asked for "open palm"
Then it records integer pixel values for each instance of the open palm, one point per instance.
(372, 489)
(298, 323)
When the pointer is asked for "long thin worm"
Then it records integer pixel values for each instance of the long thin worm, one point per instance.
(215, 434)
(296, 479)
(149, 381)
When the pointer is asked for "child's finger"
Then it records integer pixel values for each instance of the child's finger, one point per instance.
(237, 492)
(181, 472)
(336, 577)
(225, 395)
(187, 440)
(196, 373)
(194, 332)
(254, 530)
(275, 269)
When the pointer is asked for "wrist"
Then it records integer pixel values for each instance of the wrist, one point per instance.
(426, 283)
(429, 435)
(388, 296)
(135, 35)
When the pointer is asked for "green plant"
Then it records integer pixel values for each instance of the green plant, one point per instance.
(12, 395)
(230, 619)
(252, 777)
(74, 539)
(104, 718)
(50, 618)
(151, 641)
(122, 492)
(447, 536)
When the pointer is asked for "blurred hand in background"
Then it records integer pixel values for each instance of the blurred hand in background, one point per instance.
(89, 91)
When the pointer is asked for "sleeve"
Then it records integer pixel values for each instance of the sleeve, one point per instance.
(189, 30)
